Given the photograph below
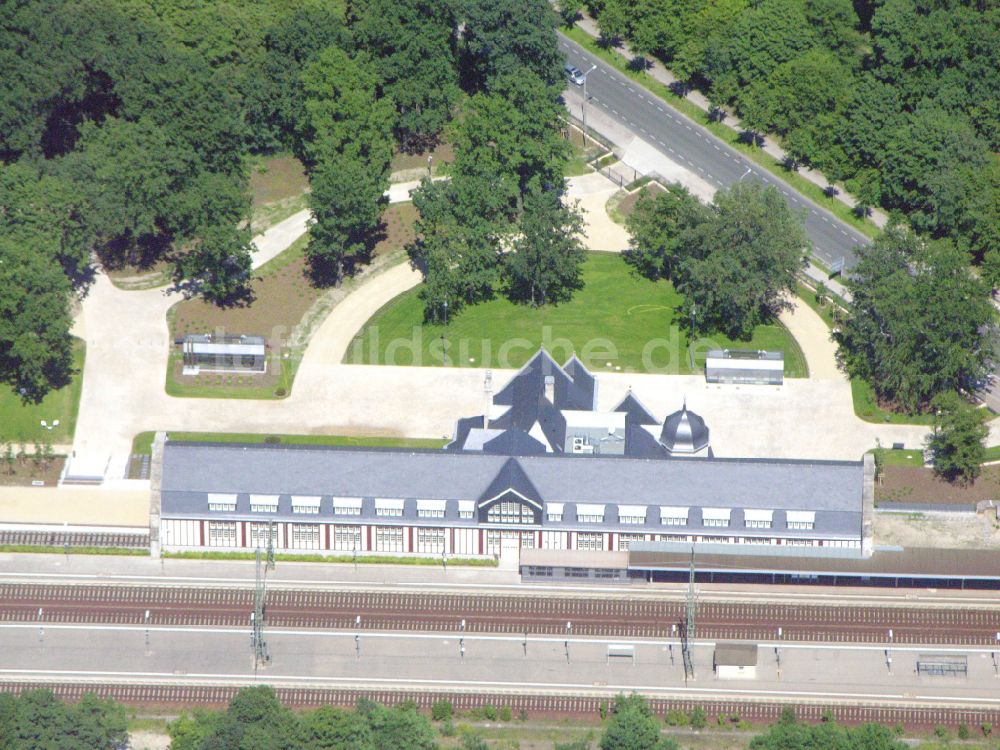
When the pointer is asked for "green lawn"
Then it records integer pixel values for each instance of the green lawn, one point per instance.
(890, 457)
(727, 134)
(20, 422)
(143, 442)
(617, 318)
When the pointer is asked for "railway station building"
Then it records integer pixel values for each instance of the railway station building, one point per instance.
(542, 469)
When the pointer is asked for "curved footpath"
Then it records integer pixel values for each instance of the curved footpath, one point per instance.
(128, 350)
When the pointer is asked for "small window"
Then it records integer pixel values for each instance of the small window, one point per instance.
(757, 524)
(716, 521)
(555, 516)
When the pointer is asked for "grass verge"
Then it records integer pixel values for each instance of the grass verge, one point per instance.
(866, 407)
(617, 321)
(142, 444)
(890, 457)
(21, 422)
(470, 562)
(725, 133)
(992, 453)
(54, 550)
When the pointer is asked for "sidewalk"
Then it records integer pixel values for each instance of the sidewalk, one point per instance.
(659, 73)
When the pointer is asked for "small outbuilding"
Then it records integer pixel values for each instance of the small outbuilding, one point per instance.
(735, 661)
(225, 353)
(745, 366)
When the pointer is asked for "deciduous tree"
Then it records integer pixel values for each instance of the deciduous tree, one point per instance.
(544, 266)
(920, 323)
(957, 444)
(741, 264)
(656, 229)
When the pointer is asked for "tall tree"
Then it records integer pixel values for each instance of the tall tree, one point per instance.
(459, 259)
(343, 113)
(656, 229)
(345, 140)
(741, 264)
(36, 354)
(545, 264)
(958, 442)
(347, 202)
(512, 137)
(413, 49)
(505, 37)
(920, 322)
(217, 266)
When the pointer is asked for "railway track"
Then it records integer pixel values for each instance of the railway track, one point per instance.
(533, 704)
(531, 614)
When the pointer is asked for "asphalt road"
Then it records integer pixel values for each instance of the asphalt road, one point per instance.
(694, 147)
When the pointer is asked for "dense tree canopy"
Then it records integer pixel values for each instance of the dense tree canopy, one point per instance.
(36, 720)
(900, 99)
(958, 443)
(735, 261)
(920, 322)
(255, 720)
(634, 727)
(413, 46)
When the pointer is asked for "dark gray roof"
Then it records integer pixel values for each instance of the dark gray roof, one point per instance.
(684, 432)
(192, 469)
(635, 412)
(639, 443)
(512, 477)
(524, 388)
(514, 443)
(462, 428)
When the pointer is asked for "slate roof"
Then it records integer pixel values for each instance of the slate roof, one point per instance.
(512, 477)
(191, 470)
(635, 412)
(514, 443)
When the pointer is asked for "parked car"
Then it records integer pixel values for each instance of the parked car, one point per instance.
(574, 74)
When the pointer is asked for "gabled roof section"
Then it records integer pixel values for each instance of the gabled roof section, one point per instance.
(514, 443)
(524, 390)
(635, 411)
(582, 379)
(462, 428)
(639, 443)
(512, 477)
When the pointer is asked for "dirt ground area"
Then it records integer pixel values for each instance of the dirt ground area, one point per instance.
(26, 470)
(628, 203)
(277, 178)
(914, 484)
(282, 294)
(406, 167)
(965, 531)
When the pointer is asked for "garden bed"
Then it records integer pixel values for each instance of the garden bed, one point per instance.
(915, 485)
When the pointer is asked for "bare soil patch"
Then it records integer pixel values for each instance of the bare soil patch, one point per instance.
(937, 530)
(919, 485)
(283, 293)
(627, 204)
(277, 178)
(441, 154)
(26, 470)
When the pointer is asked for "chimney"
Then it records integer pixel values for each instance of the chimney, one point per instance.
(550, 388)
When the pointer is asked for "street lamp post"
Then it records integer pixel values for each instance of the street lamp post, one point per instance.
(592, 69)
(569, 629)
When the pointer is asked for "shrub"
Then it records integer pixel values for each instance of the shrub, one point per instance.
(522, 715)
(505, 713)
(676, 718)
(987, 729)
(280, 392)
(603, 708)
(448, 729)
(698, 717)
(442, 710)
(963, 731)
(941, 733)
(490, 712)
